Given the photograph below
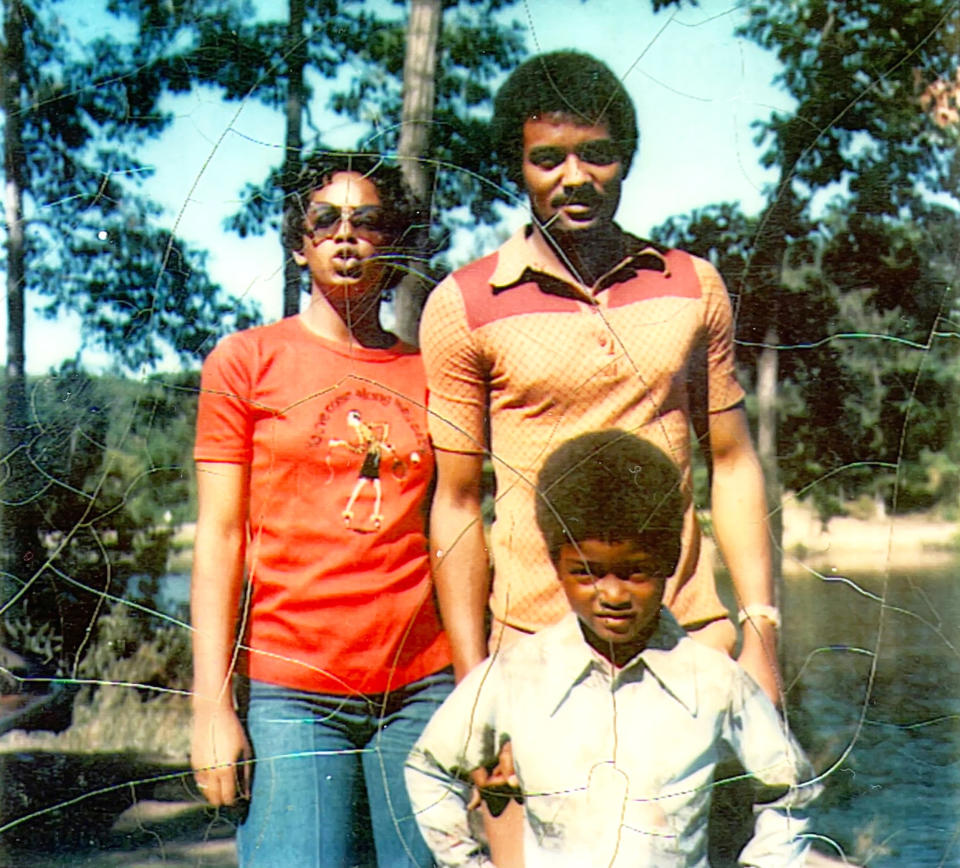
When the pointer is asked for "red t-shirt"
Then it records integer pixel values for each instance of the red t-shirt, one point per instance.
(340, 463)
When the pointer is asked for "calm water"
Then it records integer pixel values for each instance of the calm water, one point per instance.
(875, 699)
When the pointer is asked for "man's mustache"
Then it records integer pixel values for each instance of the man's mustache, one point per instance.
(585, 196)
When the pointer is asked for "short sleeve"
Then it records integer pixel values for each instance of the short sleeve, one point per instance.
(456, 372)
(224, 412)
(724, 391)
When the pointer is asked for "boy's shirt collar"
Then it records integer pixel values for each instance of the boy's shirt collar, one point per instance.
(575, 659)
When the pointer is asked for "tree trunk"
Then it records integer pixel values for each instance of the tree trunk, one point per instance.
(15, 540)
(13, 165)
(296, 60)
(781, 219)
(767, 377)
(419, 87)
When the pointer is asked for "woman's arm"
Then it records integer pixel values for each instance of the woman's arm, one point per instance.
(219, 741)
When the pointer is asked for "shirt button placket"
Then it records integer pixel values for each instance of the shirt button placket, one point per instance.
(607, 342)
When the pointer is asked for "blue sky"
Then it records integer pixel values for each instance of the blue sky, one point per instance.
(697, 88)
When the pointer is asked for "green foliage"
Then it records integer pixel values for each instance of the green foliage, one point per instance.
(125, 649)
(858, 292)
(110, 478)
(857, 70)
(139, 704)
(476, 47)
(868, 365)
(93, 241)
(366, 49)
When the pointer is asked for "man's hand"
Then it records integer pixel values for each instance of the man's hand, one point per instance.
(758, 656)
(220, 755)
(498, 786)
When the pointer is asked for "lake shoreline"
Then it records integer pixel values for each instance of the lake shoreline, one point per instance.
(842, 544)
(846, 544)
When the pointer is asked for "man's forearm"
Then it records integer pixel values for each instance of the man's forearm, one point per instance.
(744, 543)
(458, 555)
(739, 513)
(740, 526)
(462, 576)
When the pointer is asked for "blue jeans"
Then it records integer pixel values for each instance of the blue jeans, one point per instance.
(317, 757)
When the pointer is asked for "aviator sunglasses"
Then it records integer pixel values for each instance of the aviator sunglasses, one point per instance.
(323, 220)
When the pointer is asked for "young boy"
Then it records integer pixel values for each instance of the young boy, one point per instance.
(615, 717)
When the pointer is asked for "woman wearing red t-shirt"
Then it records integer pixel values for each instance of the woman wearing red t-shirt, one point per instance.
(313, 465)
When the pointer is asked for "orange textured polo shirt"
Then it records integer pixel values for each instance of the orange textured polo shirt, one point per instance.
(516, 335)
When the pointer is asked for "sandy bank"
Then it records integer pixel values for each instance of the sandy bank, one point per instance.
(842, 545)
(854, 545)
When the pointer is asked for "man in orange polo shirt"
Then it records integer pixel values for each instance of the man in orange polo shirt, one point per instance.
(575, 325)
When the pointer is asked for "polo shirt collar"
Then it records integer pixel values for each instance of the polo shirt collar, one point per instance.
(573, 659)
(527, 256)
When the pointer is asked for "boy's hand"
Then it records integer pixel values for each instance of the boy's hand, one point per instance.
(497, 786)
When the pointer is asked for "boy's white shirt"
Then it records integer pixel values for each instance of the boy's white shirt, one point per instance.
(616, 764)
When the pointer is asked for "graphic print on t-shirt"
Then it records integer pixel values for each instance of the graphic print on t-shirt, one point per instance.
(373, 432)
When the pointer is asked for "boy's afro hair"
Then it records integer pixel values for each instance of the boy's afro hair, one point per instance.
(613, 487)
